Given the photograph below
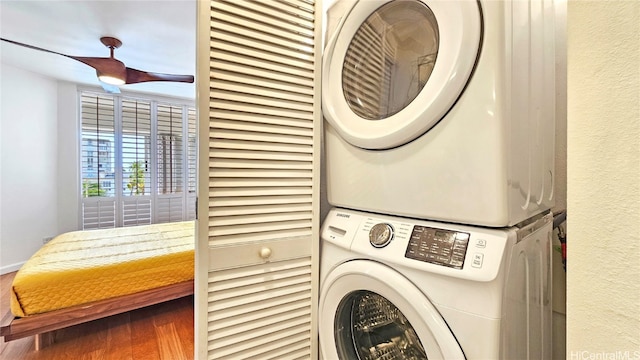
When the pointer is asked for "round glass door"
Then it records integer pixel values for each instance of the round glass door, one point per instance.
(393, 69)
(368, 310)
(368, 327)
(390, 59)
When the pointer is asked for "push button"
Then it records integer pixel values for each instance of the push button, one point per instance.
(477, 260)
(481, 243)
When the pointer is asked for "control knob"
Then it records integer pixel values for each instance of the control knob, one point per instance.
(381, 235)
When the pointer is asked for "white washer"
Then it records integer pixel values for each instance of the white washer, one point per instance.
(398, 288)
(441, 110)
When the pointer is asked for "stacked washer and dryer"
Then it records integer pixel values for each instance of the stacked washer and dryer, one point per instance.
(439, 150)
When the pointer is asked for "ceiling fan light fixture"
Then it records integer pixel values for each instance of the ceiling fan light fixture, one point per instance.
(112, 71)
(110, 79)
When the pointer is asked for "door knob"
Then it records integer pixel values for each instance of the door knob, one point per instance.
(265, 253)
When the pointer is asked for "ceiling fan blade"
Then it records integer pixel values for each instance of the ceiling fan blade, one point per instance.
(34, 47)
(113, 67)
(94, 62)
(137, 76)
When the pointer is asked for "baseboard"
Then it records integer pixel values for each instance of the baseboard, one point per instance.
(11, 268)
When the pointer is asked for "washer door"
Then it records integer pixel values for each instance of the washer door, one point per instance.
(370, 311)
(393, 69)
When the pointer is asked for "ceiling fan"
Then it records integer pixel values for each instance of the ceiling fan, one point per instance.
(112, 71)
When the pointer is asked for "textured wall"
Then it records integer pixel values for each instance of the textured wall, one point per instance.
(603, 276)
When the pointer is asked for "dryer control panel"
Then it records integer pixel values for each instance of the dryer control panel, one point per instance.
(438, 246)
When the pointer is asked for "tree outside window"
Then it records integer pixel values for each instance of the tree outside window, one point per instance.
(136, 178)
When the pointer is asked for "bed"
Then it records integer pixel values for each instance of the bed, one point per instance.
(86, 275)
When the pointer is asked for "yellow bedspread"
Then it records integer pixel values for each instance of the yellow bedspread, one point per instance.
(84, 266)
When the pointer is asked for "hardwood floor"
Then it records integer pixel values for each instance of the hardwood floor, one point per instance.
(163, 331)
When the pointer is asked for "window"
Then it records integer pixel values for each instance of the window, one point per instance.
(135, 166)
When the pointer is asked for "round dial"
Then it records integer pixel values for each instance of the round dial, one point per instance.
(381, 234)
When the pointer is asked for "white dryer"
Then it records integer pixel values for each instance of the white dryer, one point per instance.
(441, 110)
(396, 288)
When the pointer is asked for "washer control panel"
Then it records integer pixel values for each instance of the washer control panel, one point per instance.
(456, 250)
(438, 246)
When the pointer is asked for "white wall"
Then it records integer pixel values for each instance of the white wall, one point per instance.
(68, 158)
(29, 181)
(603, 275)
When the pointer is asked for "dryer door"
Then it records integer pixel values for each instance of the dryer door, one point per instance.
(393, 69)
(370, 311)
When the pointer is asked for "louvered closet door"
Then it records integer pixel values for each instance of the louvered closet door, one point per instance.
(258, 228)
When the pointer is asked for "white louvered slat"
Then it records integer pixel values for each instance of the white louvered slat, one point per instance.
(191, 206)
(136, 211)
(259, 110)
(250, 305)
(291, 301)
(98, 213)
(257, 200)
(234, 58)
(269, 92)
(262, 164)
(292, 352)
(261, 97)
(247, 126)
(259, 146)
(228, 114)
(260, 178)
(260, 26)
(263, 218)
(258, 156)
(260, 228)
(192, 154)
(257, 139)
(295, 12)
(260, 191)
(262, 173)
(256, 330)
(259, 209)
(258, 78)
(253, 182)
(169, 208)
(254, 348)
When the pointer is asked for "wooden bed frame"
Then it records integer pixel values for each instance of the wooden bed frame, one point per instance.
(41, 325)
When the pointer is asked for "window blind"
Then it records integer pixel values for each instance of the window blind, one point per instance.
(97, 161)
(133, 162)
(136, 156)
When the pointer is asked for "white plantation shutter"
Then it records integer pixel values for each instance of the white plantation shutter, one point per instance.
(192, 152)
(170, 163)
(135, 162)
(98, 213)
(170, 150)
(97, 161)
(259, 129)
